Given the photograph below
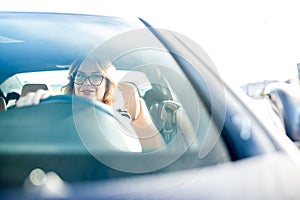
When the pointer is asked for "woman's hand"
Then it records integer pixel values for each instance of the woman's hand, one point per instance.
(33, 98)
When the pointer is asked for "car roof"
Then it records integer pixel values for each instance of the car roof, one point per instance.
(48, 41)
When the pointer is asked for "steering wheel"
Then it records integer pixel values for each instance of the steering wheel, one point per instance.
(73, 99)
(65, 120)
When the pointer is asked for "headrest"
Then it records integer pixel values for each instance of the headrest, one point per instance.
(32, 88)
(131, 98)
(2, 104)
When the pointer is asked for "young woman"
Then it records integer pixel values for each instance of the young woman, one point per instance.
(90, 78)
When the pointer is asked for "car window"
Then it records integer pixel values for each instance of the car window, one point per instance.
(165, 89)
(53, 79)
(155, 100)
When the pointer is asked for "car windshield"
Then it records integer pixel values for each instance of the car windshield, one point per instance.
(161, 113)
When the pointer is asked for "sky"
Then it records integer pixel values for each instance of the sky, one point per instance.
(248, 41)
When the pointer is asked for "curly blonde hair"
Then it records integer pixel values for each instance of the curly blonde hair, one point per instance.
(105, 67)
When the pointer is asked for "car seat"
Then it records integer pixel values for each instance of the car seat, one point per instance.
(170, 118)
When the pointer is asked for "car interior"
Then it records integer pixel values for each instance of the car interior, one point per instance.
(165, 117)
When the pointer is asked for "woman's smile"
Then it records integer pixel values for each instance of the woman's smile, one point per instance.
(87, 91)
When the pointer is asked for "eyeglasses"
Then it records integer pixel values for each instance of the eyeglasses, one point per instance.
(80, 77)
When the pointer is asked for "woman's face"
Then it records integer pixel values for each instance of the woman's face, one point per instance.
(88, 89)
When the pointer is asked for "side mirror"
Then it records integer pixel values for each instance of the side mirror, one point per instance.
(285, 101)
